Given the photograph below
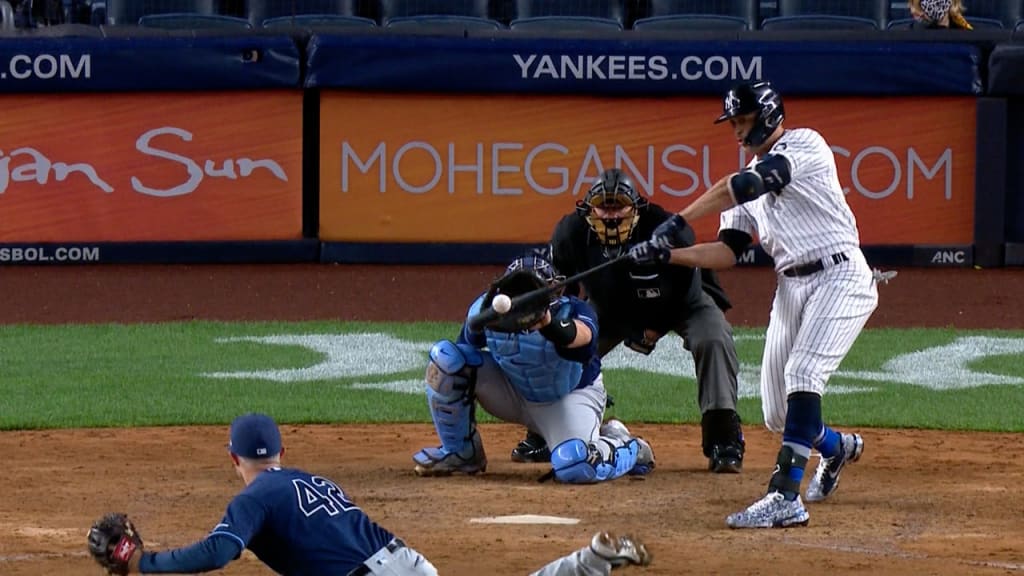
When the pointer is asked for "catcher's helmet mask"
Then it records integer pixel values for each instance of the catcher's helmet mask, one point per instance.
(614, 192)
(760, 98)
(524, 275)
(535, 263)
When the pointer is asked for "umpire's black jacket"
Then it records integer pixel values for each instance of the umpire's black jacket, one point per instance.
(628, 295)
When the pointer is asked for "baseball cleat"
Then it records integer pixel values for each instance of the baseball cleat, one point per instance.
(439, 462)
(826, 476)
(621, 550)
(531, 449)
(726, 458)
(645, 454)
(772, 511)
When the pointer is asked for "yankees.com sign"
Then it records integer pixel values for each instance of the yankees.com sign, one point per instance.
(151, 167)
(513, 165)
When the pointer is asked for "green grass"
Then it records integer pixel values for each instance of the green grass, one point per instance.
(157, 374)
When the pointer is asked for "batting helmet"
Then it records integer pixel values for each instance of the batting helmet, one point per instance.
(758, 97)
(613, 191)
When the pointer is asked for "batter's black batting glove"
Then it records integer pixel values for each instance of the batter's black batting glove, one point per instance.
(670, 228)
(654, 251)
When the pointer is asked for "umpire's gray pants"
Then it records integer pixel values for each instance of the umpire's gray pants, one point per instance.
(708, 336)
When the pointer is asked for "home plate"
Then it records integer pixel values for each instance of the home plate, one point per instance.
(524, 519)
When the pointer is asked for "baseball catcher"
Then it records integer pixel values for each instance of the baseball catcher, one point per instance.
(537, 366)
(637, 304)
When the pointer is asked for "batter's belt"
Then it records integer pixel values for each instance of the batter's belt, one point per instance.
(816, 266)
(364, 570)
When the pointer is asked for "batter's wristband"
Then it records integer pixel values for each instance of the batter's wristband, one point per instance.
(560, 332)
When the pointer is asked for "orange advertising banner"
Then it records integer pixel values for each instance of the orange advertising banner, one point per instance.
(503, 169)
(151, 167)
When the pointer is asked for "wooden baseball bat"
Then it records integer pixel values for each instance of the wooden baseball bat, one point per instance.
(530, 299)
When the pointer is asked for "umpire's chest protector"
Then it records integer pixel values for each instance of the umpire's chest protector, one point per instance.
(532, 365)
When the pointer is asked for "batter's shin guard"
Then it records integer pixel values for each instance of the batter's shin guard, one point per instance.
(784, 479)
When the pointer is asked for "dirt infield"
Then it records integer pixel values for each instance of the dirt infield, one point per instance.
(919, 502)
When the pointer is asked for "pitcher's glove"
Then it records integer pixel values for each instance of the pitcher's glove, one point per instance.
(113, 541)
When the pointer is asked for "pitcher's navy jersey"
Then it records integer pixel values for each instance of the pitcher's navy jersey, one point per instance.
(301, 524)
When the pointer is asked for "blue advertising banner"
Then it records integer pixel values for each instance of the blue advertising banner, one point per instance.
(75, 64)
(638, 67)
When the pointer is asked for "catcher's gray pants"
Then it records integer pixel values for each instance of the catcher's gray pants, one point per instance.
(708, 336)
(577, 415)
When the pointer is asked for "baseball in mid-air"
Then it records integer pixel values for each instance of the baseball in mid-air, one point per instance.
(501, 303)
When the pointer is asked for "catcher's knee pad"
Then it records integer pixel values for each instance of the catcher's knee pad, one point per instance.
(576, 462)
(451, 372)
(450, 377)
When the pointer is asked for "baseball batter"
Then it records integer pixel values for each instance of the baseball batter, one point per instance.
(790, 197)
(302, 524)
(539, 369)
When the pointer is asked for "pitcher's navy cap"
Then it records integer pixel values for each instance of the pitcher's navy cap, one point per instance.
(255, 436)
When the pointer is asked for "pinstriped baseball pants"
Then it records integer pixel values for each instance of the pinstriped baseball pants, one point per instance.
(814, 322)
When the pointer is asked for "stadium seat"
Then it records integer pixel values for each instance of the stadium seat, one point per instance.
(6, 15)
(259, 11)
(565, 24)
(319, 20)
(747, 10)
(1019, 27)
(981, 13)
(822, 22)
(191, 21)
(121, 12)
(98, 13)
(681, 22)
(875, 10)
(986, 23)
(441, 23)
(602, 9)
(900, 24)
(390, 9)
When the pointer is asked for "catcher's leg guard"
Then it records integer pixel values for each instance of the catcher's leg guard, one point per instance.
(576, 462)
(450, 379)
(723, 441)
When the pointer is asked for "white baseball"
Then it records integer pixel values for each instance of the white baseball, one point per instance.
(501, 303)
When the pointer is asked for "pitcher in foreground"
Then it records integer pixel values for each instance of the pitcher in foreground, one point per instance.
(301, 524)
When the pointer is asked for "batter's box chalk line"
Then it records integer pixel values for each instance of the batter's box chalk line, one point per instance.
(524, 519)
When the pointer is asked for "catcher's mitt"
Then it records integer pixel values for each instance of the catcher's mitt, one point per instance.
(523, 313)
(113, 541)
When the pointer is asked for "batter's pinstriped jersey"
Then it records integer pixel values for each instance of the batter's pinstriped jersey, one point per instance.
(810, 219)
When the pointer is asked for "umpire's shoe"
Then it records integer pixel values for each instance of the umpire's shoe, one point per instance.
(532, 449)
(723, 441)
(621, 550)
(439, 462)
(826, 477)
